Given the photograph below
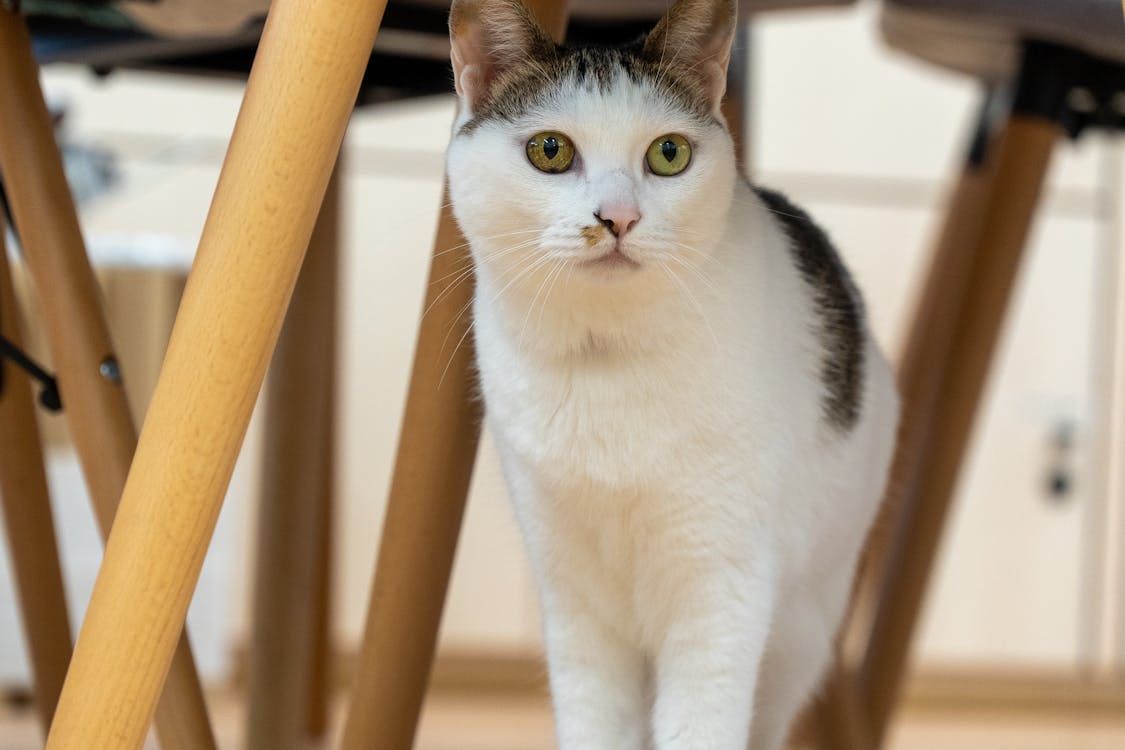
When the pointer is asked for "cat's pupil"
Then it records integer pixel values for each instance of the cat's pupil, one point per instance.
(669, 150)
(550, 147)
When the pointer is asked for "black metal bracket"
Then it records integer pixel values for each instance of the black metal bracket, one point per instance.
(994, 107)
(1072, 88)
(49, 393)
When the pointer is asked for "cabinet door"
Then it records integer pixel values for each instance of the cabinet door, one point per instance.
(1009, 585)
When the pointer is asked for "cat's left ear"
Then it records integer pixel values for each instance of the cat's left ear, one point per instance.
(693, 41)
(489, 37)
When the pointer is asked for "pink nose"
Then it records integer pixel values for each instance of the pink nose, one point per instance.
(619, 218)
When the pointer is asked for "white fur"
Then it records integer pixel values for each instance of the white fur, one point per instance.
(692, 520)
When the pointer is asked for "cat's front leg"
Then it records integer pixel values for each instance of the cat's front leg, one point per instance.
(597, 678)
(708, 663)
(597, 671)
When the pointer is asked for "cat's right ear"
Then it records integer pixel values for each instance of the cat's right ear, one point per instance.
(693, 40)
(488, 38)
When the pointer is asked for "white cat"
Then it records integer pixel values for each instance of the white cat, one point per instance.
(694, 421)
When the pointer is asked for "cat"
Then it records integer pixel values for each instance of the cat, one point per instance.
(693, 419)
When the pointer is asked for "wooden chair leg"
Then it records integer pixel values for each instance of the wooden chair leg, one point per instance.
(319, 694)
(27, 519)
(436, 452)
(839, 717)
(298, 100)
(89, 379)
(945, 366)
(297, 485)
(437, 449)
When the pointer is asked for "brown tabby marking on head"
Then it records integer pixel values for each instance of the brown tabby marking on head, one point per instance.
(520, 90)
(683, 58)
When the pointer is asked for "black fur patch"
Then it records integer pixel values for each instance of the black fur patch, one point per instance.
(591, 67)
(838, 305)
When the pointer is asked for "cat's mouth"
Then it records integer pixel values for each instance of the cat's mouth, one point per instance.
(614, 258)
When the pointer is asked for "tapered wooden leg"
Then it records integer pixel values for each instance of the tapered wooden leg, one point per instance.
(437, 448)
(297, 485)
(300, 94)
(89, 379)
(436, 451)
(944, 369)
(27, 518)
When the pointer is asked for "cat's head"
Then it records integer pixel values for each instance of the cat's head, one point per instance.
(611, 163)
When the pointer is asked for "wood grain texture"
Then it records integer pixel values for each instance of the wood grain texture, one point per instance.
(300, 94)
(288, 634)
(95, 405)
(28, 521)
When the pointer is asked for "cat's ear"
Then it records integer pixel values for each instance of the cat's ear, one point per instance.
(693, 41)
(489, 37)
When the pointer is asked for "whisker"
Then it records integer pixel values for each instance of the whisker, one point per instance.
(465, 273)
(453, 325)
(537, 263)
(691, 300)
(569, 270)
(527, 270)
(461, 278)
(453, 356)
(459, 269)
(699, 274)
(538, 291)
(490, 237)
(557, 269)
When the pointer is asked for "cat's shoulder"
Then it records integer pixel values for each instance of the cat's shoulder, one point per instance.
(837, 304)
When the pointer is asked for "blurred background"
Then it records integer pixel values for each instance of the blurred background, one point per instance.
(1025, 622)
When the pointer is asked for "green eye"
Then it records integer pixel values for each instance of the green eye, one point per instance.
(550, 152)
(669, 155)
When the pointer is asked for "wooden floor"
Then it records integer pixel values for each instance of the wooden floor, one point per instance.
(459, 723)
(463, 722)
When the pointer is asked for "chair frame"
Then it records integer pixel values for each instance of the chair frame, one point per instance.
(950, 349)
(88, 375)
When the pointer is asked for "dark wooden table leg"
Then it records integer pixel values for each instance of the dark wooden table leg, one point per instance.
(944, 370)
(296, 498)
(28, 521)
